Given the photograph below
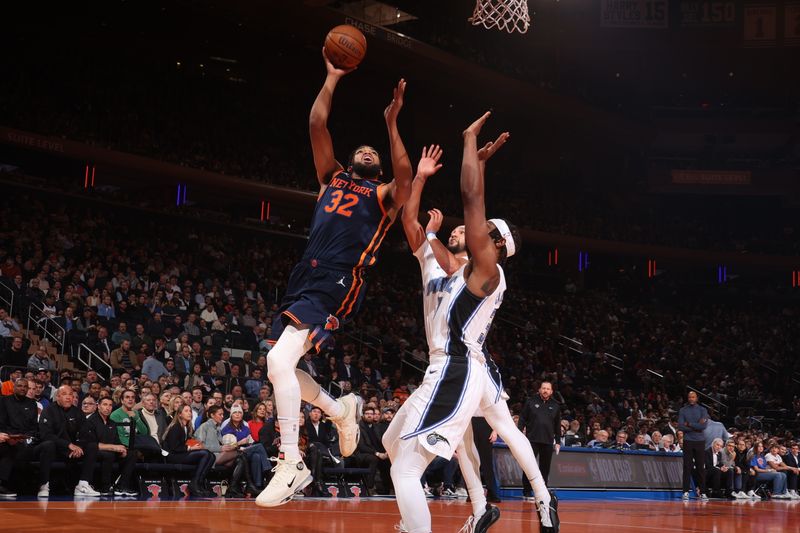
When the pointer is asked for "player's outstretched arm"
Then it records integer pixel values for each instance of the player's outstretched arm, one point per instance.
(446, 259)
(399, 189)
(484, 275)
(321, 142)
(428, 166)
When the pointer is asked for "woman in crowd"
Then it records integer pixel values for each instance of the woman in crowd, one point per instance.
(259, 415)
(182, 450)
(765, 473)
(256, 455)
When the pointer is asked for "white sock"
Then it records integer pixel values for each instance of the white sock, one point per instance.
(410, 462)
(281, 363)
(311, 392)
(470, 464)
(499, 417)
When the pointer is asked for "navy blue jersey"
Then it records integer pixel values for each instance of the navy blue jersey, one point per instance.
(349, 225)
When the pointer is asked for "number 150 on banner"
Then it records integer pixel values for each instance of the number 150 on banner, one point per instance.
(634, 14)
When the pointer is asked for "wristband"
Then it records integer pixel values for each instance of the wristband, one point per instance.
(431, 236)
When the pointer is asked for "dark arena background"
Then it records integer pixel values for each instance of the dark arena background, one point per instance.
(157, 185)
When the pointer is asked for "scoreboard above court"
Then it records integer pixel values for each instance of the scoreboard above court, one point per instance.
(707, 13)
(749, 23)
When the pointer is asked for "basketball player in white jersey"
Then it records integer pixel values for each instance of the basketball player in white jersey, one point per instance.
(438, 263)
(436, 416)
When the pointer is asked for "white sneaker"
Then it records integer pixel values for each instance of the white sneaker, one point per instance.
(449, 493)
(703, 497)
(428, 492)
(740, 495)
(347, 423)
(290, 477)
(783, 496)
(44, 491)
(84, 489)
(461, 492)
(685, 496)
(548, 515)
(753, 496)
(793, 494)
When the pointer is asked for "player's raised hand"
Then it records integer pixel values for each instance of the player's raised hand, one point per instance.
(475, 127)
(429, 162)
(435, 223)
(490, 147)
(332, 70)
(393, 109)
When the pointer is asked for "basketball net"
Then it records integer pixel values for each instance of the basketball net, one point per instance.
(506, 15)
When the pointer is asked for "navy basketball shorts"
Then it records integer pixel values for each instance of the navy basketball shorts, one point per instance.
(322, 298)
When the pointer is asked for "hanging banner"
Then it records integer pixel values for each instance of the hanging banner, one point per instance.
(760, 25)
(634, 14)
(708, 13)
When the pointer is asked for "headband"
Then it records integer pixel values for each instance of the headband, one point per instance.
(502, 227)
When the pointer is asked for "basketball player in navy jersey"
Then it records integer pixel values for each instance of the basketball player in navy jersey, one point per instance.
(353, 214)
(438, 262)
(437, 414)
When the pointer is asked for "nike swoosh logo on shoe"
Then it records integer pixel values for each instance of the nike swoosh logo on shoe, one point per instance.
(291, 482)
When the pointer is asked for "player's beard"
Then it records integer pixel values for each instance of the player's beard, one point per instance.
(456, 248)
(371, 171)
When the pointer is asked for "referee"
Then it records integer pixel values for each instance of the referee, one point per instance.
(541, 421)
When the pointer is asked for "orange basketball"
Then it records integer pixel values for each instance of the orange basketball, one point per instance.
(345, 46)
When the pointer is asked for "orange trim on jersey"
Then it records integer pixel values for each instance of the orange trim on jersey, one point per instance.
(312, 335)
(321, 190)
(292, 317)
(271, 342)
(356, 276)
(380, 202)
(371, 262)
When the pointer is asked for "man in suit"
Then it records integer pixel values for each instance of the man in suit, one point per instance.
(370, 452)
(224, 364)
(792, 460)
(103, 347)
(349, 372)
(310, 367)
(716, 470)
(321, 439)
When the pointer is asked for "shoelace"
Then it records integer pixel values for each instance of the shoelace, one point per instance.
(544, 514)
(469, 526)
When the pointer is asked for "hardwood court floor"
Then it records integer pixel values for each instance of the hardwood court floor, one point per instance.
(352, 516)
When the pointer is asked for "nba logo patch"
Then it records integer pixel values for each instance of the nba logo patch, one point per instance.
(332, 323)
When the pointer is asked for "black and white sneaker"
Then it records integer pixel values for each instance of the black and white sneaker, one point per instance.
(7, 494)
(548, 515)
(488, 518)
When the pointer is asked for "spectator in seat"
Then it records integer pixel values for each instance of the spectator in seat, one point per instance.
(178, 441)
(668, 444)
(765, 473)
(140, 338)
(8, 326)
(155, 419)
(254, 383)
(320, 436)
(639, 443)
(792, 460)
(63, 424)
(153, 368)
(370, 452)
(121, 334)
(89, 406)
(102, 431)
(123, 358)
(621, 441)
(224, 364)
(125, 417)
(40, 359)
(719, 474)
(729, 459)
(19, 416)
(257, 419)
(257, 458)
(15, 354)
(600, 440)
(775, 461)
